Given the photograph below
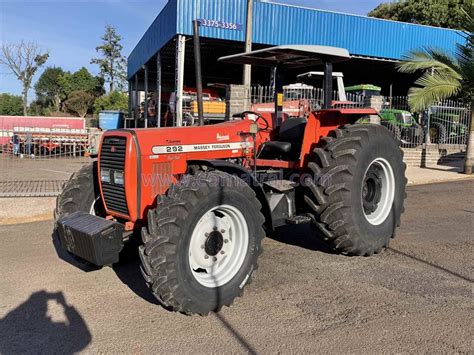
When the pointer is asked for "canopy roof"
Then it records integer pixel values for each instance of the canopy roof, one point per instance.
(363, 87)
(289, 56)
(335, 74)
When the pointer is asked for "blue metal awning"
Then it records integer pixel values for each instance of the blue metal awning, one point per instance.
(278, 24)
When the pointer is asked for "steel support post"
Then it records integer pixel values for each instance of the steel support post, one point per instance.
(158, 90)
(179, 78)
(130, 98)
(137, 102)
(145, 108)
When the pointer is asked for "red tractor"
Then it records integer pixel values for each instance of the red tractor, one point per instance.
(203, 197)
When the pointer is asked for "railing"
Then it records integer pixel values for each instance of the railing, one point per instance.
(445, 123)
(300, 99)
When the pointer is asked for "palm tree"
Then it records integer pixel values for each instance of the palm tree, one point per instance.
(445, 76)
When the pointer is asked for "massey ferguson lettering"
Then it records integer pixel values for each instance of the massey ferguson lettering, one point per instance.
(167, 149)
(212, 147)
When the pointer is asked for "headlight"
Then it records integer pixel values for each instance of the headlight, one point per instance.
(118, 177)
(105, 175)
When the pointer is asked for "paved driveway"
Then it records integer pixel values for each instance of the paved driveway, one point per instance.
(414, 297)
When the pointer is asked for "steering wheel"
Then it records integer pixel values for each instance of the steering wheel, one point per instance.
(259, 117)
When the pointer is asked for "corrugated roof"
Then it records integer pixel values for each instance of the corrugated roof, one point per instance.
(279, 24)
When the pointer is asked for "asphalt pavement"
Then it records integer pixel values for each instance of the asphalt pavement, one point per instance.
(414, 297)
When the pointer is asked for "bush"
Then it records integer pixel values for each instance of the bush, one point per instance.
(79, 102)
(113, 101)
(11, 105)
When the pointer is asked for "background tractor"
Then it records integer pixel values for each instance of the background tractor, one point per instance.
(448, 125)
(403, 126)
(400, 123)
(200, 199)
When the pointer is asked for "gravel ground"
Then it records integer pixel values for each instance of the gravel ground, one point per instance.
(415, 297)
(39, 169)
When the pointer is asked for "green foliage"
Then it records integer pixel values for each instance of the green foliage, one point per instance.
(11, 105)
(37, 108)
(111, 63)
(444, 76)
(48, 88)
(81, 80)
(113, 101)
(441, 13)
(79, 102)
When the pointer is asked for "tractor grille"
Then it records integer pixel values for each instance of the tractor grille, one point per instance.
(112, 157)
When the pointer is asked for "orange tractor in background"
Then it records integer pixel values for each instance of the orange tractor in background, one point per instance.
(200, 199)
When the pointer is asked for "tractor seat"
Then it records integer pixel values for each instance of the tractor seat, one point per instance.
(276, 147)
(288, 142)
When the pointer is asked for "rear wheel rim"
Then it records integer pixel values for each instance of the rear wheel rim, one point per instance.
(378, 191)
(218, 246)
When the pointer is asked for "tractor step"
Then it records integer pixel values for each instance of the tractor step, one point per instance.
(301, 219)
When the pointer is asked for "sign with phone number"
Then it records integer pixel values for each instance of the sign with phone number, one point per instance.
(221, 24)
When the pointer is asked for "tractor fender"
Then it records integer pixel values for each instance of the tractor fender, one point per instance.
(245, 175)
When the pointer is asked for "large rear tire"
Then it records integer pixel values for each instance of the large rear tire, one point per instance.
(357, 188)
(202, 242)
(438, 133)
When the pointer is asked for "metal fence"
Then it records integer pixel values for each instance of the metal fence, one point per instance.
(445, 123)
(299, 99)
(448, 123)
(36, 161)
(35, 145)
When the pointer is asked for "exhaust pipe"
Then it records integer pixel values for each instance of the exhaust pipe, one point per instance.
(197, 64)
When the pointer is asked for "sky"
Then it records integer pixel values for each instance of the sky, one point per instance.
(71, 29)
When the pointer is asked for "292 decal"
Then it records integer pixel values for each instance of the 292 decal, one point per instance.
(174, 149)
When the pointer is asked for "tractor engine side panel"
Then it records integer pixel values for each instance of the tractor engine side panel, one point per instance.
(157, 158)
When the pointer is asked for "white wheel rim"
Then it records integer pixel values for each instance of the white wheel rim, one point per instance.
(384, 173)
(218, 246)
(92, 209)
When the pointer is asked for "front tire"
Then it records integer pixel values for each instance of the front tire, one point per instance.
(202, 242)
(357, 188)
(80, 193)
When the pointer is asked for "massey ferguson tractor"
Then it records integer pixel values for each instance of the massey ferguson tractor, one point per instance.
(202, 198)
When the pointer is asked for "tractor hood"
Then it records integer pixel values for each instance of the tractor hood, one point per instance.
(136, 165)
(193, 139)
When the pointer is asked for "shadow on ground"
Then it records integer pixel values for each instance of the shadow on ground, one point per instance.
(429, 263)
(128, 271)
(30, 327)
(302, 236)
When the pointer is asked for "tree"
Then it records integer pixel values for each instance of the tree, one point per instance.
(11, 105)
(23, 59)
(445, 76)
(81, 80)
(48, 88)
(112, 63)
(79, 102)
(441, 13)
(37, 108)
(113, 101)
